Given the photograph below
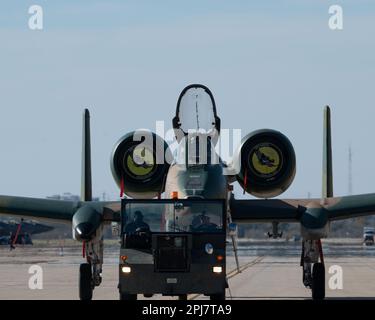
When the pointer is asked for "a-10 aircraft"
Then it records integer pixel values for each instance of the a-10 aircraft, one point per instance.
(172, 256)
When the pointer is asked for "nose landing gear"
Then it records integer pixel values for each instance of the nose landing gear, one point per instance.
(90, 272)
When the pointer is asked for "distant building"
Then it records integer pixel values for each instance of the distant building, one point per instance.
(69, 197)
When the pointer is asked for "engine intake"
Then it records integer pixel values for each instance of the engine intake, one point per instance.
(139, 163)
(268, 163)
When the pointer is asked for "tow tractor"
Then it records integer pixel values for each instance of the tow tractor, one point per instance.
(172, 247)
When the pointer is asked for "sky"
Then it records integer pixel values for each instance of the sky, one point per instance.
(270, 64)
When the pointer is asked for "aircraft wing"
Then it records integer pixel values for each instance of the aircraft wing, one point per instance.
(292, 210)
(38, 208)
(57, 210)
(350, 206)
(267, 210)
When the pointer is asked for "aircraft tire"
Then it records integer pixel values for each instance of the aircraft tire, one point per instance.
(318, 282)
(127, 296)
(182, 297)
(218, 296)
(85, 281)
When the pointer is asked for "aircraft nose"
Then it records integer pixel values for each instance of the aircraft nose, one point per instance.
(85, 230)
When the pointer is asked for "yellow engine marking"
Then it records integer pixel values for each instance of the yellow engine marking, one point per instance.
(140, 162)
(270, 164)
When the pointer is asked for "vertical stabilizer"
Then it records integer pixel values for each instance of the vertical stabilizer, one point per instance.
(86, 183)
(327, 187)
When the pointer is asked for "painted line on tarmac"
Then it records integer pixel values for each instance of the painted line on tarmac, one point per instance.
(233, 273)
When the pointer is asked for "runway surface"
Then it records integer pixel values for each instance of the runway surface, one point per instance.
(270, 271)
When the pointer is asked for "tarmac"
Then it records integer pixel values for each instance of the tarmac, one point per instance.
(269, 270)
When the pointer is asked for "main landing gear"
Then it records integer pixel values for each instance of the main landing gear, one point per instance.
(90, 272)
(313, 269)
(85, 281)
(218, 296)
(128, 296)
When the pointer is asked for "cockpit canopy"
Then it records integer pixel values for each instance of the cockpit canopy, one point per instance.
(196, 113)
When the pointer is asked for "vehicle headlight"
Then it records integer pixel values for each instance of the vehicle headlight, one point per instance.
(217, 269)
(126, 269)
(209, 248)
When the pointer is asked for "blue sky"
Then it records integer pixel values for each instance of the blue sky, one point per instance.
(269, 64)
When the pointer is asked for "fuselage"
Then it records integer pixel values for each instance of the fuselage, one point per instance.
(197, 170)
(205, 181)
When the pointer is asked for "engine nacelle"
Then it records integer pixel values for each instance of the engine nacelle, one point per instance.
(268, 163)
(140, 161)
(85, 223)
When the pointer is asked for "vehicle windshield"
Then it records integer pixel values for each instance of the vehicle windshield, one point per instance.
(177, 216)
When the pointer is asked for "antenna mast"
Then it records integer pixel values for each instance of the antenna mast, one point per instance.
(350, 173)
